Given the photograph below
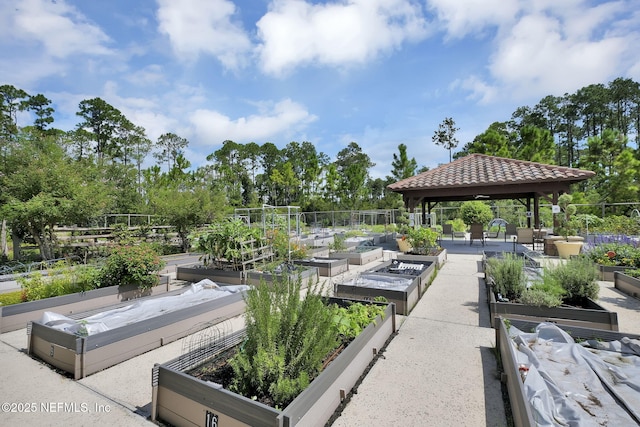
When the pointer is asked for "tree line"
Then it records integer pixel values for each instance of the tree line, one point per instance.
(50, 176)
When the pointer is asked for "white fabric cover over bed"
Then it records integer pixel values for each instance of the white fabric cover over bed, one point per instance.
(198, 293)
(590, 383)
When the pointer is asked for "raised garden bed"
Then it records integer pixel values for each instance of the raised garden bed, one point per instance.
(424, 271)
(183, 400)
(309, 275)
(439, 257)
(570, 385)
(360, 255)
(607, 271)
(402, 290)
(17, 316)
(327, 267)
(627, 284)
(318, 251)
(196, 272)
(71, 345)
(588, 314)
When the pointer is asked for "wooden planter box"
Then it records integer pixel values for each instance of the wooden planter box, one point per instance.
(368, 286)
(84, 355)
(196, 272)
(627, 284)
(309, 275)
(396, 267)
(595, 316)
(363, 256)
(183, 400)
(438, 259)
(521, 408)
(607, 271)
(17, 316)
(327, 267)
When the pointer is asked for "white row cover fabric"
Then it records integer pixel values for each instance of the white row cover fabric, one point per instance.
(378, 281)
(589, 383)
(198, 293)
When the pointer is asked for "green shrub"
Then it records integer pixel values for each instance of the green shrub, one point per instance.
(422, 239)
(633, 273)
(617, 224)
(62, 278)
(287, 339)
(508, 275)
(544, 293)
(351, 320)
(578, 276)
(338, 243)
(614, 254)
(131, 265)
(539, 298)
(9, 298)
(457, 224)
(475, 212)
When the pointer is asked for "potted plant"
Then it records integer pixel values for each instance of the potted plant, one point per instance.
(567, 225)
(423, 240)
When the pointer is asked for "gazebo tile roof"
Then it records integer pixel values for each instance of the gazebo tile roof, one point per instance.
(480, 170)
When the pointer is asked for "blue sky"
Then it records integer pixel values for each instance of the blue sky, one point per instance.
(377, 72)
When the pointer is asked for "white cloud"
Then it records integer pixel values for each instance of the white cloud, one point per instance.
(544, 47)
(345, 32)
(284, 117)
(204, 26)
(540, 55)
(462, 17)
(151, 75)
(56, 26)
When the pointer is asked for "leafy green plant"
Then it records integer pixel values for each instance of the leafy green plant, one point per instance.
(578, 276)
(62, 278)
(287, 339)
(457, 224)
(475, 212)
(422, 239)
(508, 275)
(614, 254)
(352, 319)
(10, 298)
(539, 298)
(224, 243)
(131, 265)
(547, 292)
(633, 273)
(338, 243)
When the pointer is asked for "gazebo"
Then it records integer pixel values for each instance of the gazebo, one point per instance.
(482, 177)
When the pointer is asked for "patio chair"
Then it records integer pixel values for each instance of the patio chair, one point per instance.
(525, 236)
(447, 229)
(493, 234)
(510, 230)
(476, 232)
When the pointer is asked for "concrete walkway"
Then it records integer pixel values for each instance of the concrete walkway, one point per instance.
(440, 369)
